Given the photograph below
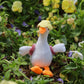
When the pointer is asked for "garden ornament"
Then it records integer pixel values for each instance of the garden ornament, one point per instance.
(41, 53)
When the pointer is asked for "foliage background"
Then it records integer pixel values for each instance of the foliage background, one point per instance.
(14, 34)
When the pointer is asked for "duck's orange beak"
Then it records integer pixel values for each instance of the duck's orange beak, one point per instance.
(42, 30)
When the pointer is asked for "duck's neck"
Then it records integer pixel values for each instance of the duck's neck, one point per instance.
(43, 38)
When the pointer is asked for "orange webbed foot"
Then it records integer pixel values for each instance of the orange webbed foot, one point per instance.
(47, 72)
(36, 69)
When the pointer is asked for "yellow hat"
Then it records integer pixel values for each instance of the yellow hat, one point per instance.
(45, 23)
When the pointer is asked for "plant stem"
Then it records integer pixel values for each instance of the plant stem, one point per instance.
(23, 75)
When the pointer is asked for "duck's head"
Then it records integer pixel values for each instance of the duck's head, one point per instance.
(44, 27)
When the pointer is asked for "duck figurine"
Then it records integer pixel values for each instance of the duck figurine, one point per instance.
(41, 53)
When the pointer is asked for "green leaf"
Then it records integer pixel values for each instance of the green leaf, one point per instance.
(2, 56)
(63, 39)
(17, 73)
(76, 33)
(5, 67)
(7, 74)
(20, 82)
(24, 63)
(71, 66)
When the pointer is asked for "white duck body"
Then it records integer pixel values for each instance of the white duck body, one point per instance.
(42, 55)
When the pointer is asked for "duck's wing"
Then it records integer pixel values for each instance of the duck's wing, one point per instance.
(24, 50)
(27, 50)
(59, 47)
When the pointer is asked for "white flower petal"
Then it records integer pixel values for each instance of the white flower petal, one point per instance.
(77, 54)
(79, 44)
